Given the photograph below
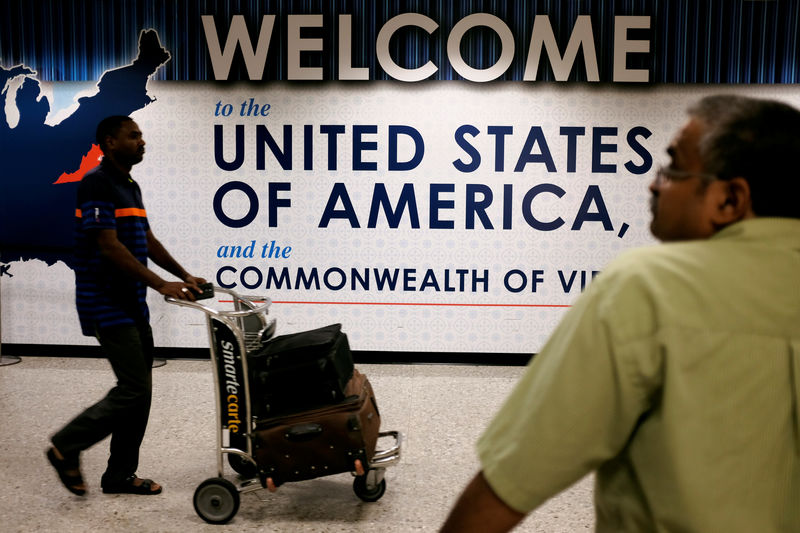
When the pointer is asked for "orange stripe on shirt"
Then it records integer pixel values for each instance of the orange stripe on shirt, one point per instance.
(130, 212)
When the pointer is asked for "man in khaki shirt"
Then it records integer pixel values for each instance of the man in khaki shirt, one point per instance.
(676, 376)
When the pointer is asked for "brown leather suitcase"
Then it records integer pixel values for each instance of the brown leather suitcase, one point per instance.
(323, 441)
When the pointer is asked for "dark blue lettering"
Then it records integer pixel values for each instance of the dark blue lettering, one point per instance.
(306, 281)
(567, 285)
(360, 146)
(342, 276)
(380, 199)
(471, 151)
(275, 202)
(251, 196)
(259, 277)
(515, 272)
(219, 156)
(535, 136)
(478, 207)
(644, 153)
(221, 283)
(436, 204)
(598, 148)
(572, 144)
(308, 147)
(508, 197)
(338, 192)
(332, 131)
(277, 282)
(592, 195)
(500, 133)
(419, 148)
(283, 157)
(527, 207)
(386, 277)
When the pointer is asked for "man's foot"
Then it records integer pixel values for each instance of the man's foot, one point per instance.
(68, 471)
(132, 485)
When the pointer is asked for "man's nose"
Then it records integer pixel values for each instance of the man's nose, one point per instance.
(653, 187)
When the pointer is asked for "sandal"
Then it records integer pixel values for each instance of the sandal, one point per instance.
(68, 472)
(127, 486)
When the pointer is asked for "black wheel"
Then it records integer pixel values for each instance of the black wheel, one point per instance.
(242, 466)
(216, 500)
(365, 493)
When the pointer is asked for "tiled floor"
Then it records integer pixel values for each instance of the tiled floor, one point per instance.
(441, 409)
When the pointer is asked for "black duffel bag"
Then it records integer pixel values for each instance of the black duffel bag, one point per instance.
(300, 371)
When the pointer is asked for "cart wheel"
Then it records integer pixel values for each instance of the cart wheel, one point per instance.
(216, 500)
(242, 466)
(366, 494)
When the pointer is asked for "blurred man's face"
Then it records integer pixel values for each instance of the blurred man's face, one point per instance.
(681, 207)
(127, 146)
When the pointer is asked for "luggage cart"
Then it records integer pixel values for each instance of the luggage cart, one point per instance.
(233, 335)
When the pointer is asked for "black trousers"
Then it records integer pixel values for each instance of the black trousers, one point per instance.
(124, 411)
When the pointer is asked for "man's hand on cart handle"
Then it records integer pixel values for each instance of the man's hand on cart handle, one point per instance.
(182, 290)
(191, 280)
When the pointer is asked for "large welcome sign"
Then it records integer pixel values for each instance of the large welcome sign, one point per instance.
(437, 179)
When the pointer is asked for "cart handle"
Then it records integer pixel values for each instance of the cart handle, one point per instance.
(248, 301)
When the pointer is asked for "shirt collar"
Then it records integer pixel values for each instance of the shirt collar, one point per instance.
(111, 170)
(784, 231)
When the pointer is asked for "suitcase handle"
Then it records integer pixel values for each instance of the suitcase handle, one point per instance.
(303, 432)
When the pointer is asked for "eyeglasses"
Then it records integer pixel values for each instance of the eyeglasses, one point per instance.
(664, 174)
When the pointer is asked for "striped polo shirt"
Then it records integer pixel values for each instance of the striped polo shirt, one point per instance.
(106, 296)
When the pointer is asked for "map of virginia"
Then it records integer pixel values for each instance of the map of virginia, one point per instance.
(43, 164)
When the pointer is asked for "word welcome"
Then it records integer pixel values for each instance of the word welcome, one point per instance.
(542, 38)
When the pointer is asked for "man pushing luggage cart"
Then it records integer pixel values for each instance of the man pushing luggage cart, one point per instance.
(289, 408)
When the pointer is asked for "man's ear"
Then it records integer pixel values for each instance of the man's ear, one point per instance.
(734, 201)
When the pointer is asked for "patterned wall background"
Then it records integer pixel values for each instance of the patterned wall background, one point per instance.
(48, 117)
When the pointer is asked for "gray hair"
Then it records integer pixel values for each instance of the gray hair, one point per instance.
(755, 139)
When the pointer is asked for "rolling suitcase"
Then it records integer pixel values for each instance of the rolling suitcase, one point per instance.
(330, 438)
(322, 441)
(300, 371)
